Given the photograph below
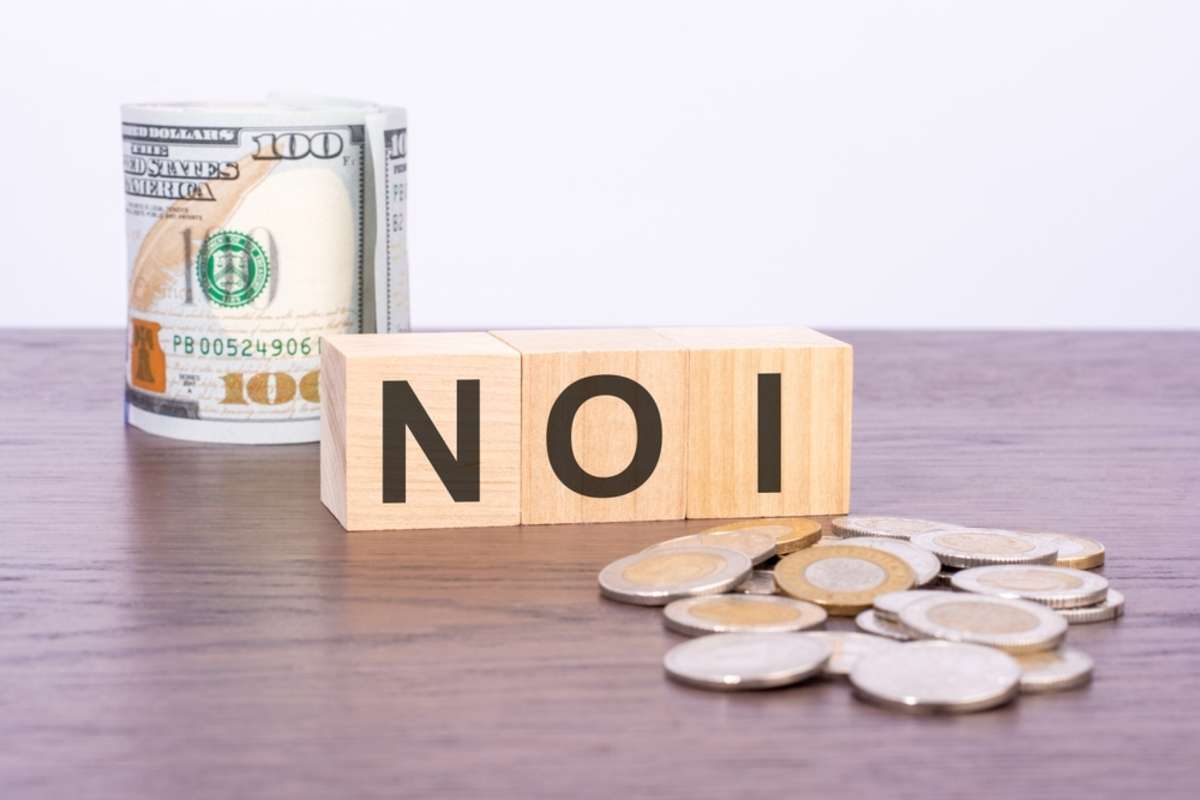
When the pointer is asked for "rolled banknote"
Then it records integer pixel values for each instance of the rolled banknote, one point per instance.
(253, 231)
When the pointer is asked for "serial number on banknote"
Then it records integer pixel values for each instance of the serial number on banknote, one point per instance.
(234, 347)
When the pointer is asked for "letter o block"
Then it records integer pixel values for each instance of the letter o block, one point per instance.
(768, 421)
(603, 425)
(420, 430)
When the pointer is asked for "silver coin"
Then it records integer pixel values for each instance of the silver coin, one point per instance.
(1057, 587)
(741, 613)
(850, 646)
(732, 661)
(870, 622)
(1054, 670)
(887, 527)
(1111, 607)
(977, 547)
(945, 578)
(924, 564)
(888, 605)
(658, 576)
(761, 581)
(1016, 626)
(938, 677)
(757, 545)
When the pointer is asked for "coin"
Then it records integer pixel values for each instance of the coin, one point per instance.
(741, 613)
(945, 577)
(731, 661)
(758, 546)
(1057, 587)
(977, 547)
(887, 606)
(791, 533)
(1079, 552)
(656, 577)
(1112, 607)
(871, 622)
(924, 564)
(1017, 626)
(1054, 670)
(888, 527)
(843, 580)
(937, 677)
(761, 581)
(849, 647)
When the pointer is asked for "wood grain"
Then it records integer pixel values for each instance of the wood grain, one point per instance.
(432, 364)
(186, 620)
(604, 432)
(816, 373)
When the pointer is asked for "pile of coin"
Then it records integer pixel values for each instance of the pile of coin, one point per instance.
(950, 618)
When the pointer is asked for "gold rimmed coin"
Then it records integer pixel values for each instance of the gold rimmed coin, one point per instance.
(791, 533)
(843, 580)
(1078, 552)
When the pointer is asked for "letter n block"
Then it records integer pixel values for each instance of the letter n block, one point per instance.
(768, 422)
(603, 425)
(420, 430)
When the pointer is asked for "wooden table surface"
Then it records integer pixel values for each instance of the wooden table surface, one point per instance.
(182, 620)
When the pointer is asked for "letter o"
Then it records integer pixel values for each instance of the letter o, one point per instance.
(646, 452)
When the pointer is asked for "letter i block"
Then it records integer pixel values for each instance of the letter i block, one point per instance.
(603, 425)
(768, 422)
(420, 430)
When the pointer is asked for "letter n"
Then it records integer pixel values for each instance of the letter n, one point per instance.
(403, 412)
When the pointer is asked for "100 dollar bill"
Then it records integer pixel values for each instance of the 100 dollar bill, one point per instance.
(253, 232)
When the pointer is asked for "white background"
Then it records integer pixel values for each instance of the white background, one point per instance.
(958, 164)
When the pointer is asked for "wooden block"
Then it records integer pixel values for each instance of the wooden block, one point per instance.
(587, 455)
(420, 430)
(768, 422)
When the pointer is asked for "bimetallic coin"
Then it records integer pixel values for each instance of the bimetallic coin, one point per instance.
(888, 527)
(758, 546)
(1057, 587)
(924, 564)
(887, 606)
(741, 613)
(761, 581)
(871, 622)
(732, 661)
(977, 547)
(946, 677)
(843, 580)
(1016, 626)
(849, 647)
(1054, 670)
(656, 577)
(791, 533)
(1112, 607)
(1079, 552)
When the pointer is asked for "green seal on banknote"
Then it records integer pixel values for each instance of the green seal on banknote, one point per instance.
(232, 268)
